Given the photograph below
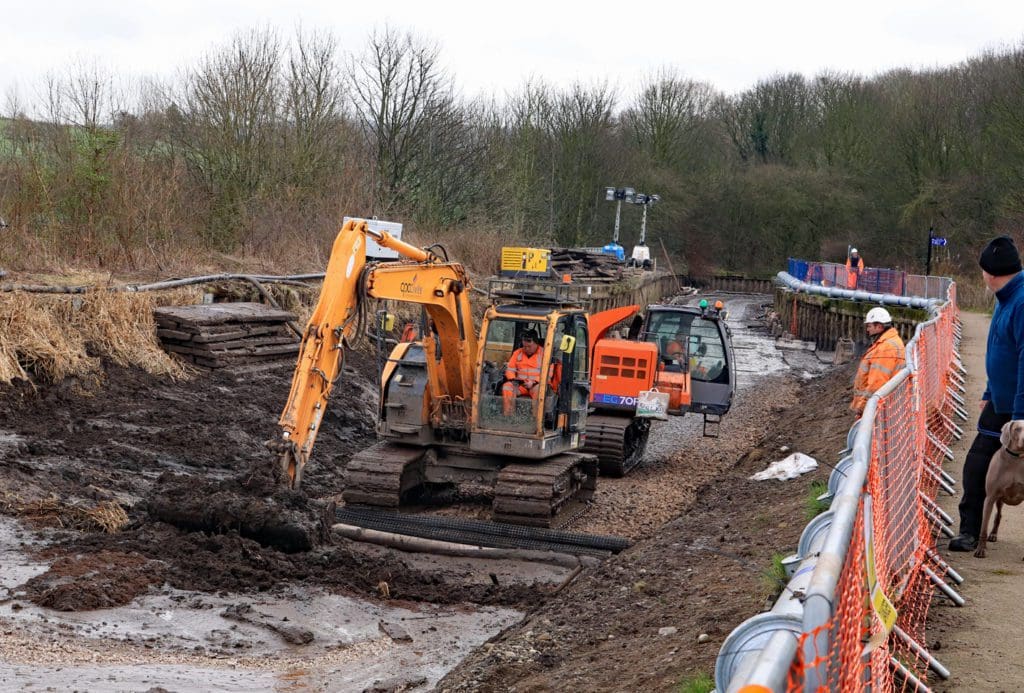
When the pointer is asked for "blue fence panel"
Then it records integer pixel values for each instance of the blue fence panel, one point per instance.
(881, 281)
(798, 269)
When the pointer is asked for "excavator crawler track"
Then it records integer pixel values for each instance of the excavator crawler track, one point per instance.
(547, 493)
(382, 474)
(617, 441)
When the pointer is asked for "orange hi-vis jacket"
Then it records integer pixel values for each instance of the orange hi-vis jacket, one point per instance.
(880, 363)
(523, 367)
(853, 271)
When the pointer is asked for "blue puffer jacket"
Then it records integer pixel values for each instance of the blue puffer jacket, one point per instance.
(1004, 360)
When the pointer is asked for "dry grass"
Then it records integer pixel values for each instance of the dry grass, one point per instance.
(972, 294)
(51, 337)
(106, 516)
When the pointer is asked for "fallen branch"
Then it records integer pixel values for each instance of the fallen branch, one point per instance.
(447, 548)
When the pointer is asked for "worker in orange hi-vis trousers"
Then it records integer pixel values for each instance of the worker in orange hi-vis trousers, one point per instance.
(854, 268)
(884, 357)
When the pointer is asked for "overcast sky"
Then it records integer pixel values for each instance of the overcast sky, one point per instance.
(493, 47)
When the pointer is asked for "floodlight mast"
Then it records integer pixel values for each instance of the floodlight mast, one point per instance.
(646, 201)
(618, 194)
(641, 253)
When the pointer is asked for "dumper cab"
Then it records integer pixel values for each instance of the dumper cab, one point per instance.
(696, 361)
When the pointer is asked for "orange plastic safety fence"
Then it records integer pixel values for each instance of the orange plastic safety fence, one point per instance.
(909, 439)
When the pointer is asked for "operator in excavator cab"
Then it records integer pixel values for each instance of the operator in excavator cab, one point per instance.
(522, 374)
(675, 350)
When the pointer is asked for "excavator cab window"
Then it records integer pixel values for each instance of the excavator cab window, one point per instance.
(707, 353)
(513, 387)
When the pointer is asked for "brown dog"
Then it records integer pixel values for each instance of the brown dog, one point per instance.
(1004, 482)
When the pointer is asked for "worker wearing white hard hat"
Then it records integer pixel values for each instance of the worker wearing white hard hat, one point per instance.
(878, 316)
(885, 356)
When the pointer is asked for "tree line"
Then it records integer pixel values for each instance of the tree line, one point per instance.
(260, 147)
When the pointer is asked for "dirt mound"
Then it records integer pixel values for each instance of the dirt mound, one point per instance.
(83, 440)
(94, 581)
(252, 504)
(132, 437)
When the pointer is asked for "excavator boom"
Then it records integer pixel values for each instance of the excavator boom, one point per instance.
(336, 320)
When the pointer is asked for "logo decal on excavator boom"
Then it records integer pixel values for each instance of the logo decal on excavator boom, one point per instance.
(411, 287)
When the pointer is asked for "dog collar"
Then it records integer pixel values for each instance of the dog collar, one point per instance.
(1011, 453)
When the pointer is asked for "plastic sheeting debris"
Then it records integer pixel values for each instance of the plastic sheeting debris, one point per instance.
(789, 468)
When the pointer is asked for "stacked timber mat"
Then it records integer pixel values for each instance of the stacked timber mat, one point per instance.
(583, 264)
(227, 334)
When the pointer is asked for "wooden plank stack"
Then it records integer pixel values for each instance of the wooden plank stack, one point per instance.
(227, 334)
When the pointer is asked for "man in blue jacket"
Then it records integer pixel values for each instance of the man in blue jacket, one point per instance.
(1004, 395)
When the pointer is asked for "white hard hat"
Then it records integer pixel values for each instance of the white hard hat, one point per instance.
(853, 250)
(878, 315)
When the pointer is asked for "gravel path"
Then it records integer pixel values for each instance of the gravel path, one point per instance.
(981, 642)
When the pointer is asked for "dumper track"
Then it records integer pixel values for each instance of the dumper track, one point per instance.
(545, 493)
(617, 441)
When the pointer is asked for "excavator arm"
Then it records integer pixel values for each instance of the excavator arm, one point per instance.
(428, 280)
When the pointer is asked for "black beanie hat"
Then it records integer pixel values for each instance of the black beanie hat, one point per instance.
(1000, 257)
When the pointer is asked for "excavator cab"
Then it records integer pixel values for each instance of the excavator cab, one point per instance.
(533, 383)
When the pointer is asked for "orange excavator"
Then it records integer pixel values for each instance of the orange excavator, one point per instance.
(442, 418)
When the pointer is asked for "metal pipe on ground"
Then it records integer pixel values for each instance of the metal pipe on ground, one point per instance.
(863, 296)
(447, 548)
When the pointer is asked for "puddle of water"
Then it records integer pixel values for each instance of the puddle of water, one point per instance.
(181, 641)
(15, 566)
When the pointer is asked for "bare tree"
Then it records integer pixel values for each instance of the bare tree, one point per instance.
(766, 122)
(400, 92)
(845, 109)
(313, 106)
(223, 122)
(582, 130)
(523, 159)
(668, 116)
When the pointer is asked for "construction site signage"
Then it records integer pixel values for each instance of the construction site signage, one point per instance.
(374, 251)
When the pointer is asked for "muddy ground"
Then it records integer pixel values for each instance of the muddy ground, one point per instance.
(637, 622)
(83, 445)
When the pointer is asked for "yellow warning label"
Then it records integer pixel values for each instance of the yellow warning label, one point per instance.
(524, 260)
(880, 603)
